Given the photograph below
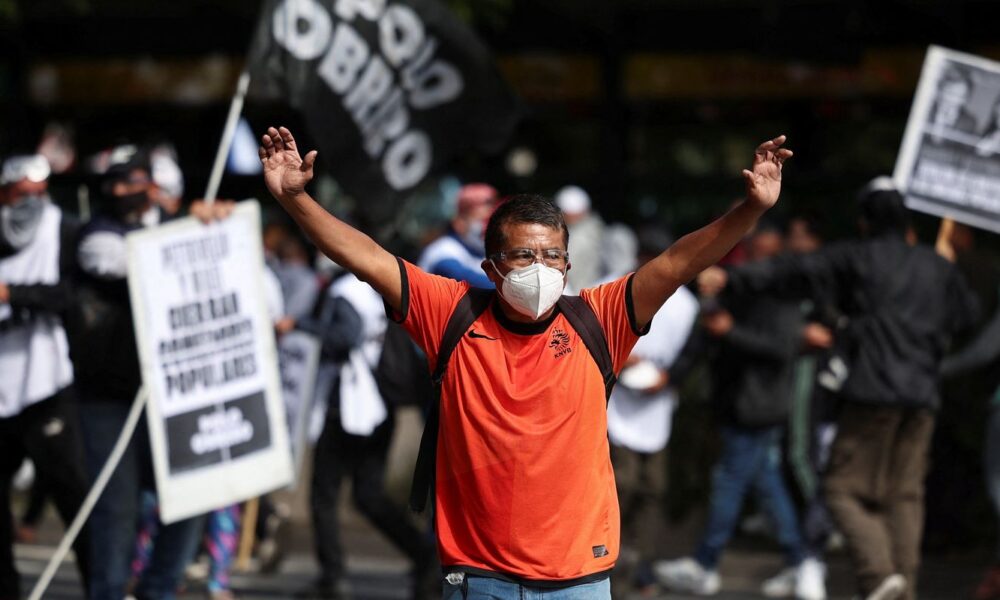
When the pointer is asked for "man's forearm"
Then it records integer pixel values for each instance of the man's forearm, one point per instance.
(347, 246)
(690, 255)
(703, 248)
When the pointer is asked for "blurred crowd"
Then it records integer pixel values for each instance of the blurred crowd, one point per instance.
(824, 362)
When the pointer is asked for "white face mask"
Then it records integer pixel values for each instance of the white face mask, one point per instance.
(19, 221)
(473, 237)
(532, 290)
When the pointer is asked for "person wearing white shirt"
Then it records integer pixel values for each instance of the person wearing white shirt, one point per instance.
(38, 412)
(639, 417)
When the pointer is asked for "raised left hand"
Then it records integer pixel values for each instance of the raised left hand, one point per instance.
(764, 181)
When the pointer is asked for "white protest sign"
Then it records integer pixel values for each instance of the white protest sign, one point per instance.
(208, 358)
(298, 361)
(949, 162)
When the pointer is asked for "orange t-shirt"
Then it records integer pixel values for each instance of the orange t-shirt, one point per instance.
(524, 484)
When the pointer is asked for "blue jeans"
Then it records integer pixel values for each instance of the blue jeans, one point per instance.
(114, 521)
(751, 458)
(487, 588)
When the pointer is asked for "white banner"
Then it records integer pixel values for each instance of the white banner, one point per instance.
(949, 163)
(298, 360)
(207, 352)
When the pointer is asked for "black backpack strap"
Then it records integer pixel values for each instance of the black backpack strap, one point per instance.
(469, 308)
(584, 321)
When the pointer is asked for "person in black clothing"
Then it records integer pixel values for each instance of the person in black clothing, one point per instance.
(38, 413)
(104, 354)
(903, 303)
(758, 339)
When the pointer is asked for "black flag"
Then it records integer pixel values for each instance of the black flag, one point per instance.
(392, 90)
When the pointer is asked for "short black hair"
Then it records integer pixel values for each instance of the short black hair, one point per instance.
(522, 208)
(884, 212)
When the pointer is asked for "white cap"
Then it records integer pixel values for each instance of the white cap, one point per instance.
(167, 175)
(882, 183)
(572, 200)
(33, 167)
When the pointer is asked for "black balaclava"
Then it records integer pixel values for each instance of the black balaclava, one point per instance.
(124, 160)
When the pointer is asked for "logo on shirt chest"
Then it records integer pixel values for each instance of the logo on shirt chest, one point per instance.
(560, 343)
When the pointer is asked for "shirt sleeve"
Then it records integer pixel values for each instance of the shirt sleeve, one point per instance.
(963, 306)
(339, 330)
(427, 304)
(977, 354)
(612, 303)
(823, 274)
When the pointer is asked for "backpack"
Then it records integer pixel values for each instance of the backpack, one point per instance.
(401, 373)
(473, 304)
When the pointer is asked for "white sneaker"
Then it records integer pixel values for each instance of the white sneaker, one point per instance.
(687, 575)
(810, 580)
(781, 585)
(892, 587)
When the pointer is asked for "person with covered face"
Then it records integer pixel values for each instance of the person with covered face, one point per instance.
(108, 378)
(38, 413)
(524, 490)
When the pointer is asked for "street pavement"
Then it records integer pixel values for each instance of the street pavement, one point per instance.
(376, 571)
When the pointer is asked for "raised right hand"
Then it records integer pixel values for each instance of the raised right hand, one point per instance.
(285, 172)
(944, 246)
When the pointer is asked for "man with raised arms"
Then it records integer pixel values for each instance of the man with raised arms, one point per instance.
(524, 491)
